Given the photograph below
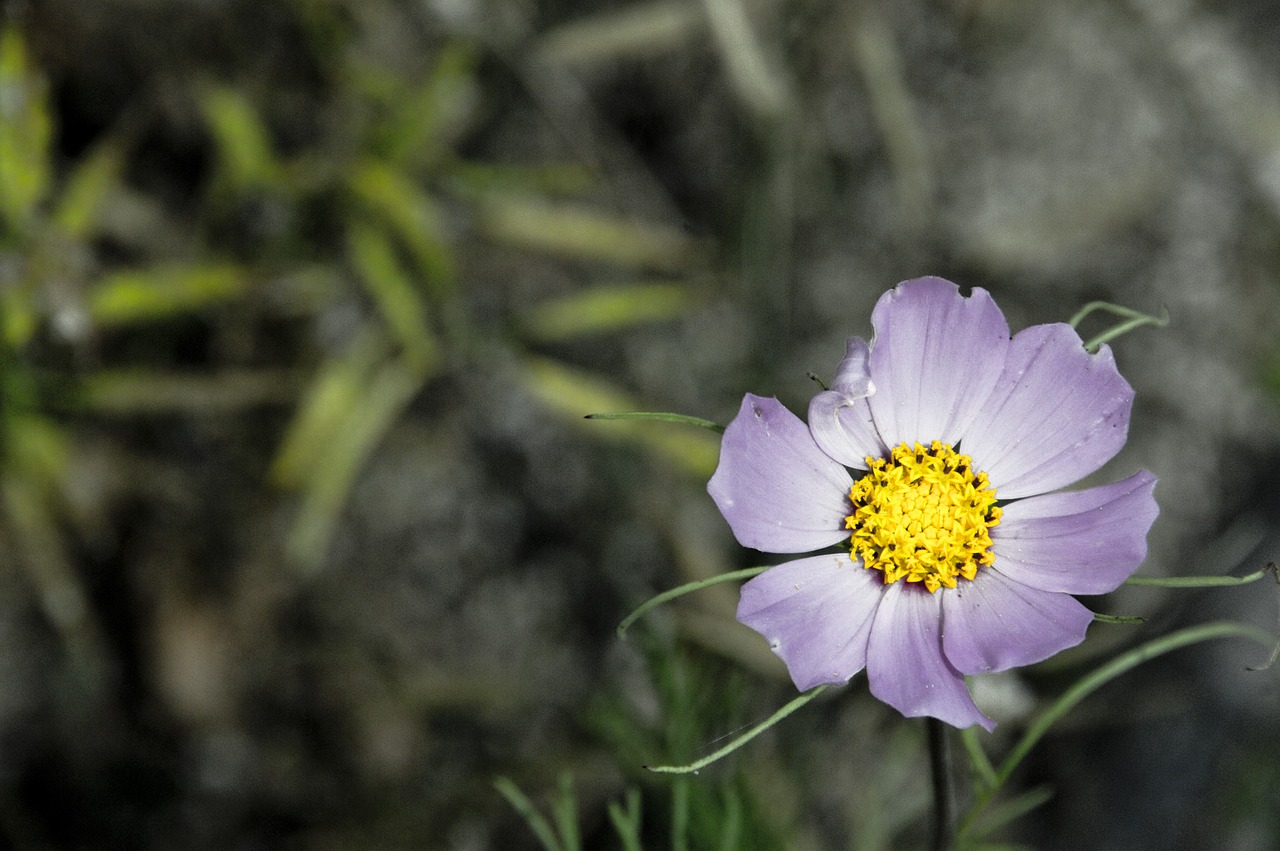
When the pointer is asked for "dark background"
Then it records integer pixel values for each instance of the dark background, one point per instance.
(304, 541)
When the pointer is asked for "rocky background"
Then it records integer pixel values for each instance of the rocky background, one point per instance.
(304, 542)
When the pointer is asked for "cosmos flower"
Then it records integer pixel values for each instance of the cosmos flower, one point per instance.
(959, 552)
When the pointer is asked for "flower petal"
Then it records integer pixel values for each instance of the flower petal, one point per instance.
(840, 419)
(779, 492)
(934, 360)
(816, 613)
(994, 623)
(1057, 414)
(1081, 542)
(906, 667)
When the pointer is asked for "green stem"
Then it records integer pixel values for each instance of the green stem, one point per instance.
(680, 591)
(697, 765)
(940, 774)
(683, 419)
(1201, 581)
(1095, 680)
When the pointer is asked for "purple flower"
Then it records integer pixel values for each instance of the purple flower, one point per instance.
(960, 558)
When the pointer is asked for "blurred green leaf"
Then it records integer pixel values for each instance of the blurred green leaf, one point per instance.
(412, 215)
(144, 295)
(573, 394)
(25, 133)
(93, 177)
(142, 391)
(325, 405)
(245, 155)
(340, 458)
(605, 309)
(475, 181)
(374, 258)
(585, 234)
(428, 119)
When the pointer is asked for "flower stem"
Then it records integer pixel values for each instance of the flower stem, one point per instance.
(943, 794)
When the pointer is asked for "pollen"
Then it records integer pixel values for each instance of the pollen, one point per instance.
(923, 515)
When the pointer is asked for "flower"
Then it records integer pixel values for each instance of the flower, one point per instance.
(960, 558)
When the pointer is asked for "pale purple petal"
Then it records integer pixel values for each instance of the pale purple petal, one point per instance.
(840, 419)
(1079, 542)
(779, 492)
(994, 623)
(906, 667)
(935, 358)
(1057, 414)
(816, 614)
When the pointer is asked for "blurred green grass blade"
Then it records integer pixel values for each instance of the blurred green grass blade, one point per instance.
(602, 310)
(18, 316)
(246, 158)
(93, 177)
(374, 258)
(520, 802)
(565, 812)
(632, 31)
(573, 393)
(25, 133)
(429, 118)
(161, 292)
(626, 820)
(149, 391)
(35, 449)
(325, 405)
(412, 215)
(341, 457)
(582, 233)
(476, 181)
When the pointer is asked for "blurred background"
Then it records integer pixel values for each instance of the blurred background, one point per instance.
(304, 541)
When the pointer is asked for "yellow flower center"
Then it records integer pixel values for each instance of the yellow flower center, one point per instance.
(923, 515)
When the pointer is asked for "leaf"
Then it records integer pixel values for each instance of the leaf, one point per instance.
(93, 177)
(573, 394)
(339, 460)
(153, 391)
(412, 215)
(324, 407)
(583, 233)
(430, 117)
(397, 298)
(131, 297)
(25, 133)
(245, 156)
(605, 309)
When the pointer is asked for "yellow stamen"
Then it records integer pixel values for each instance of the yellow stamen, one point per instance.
(923, 515)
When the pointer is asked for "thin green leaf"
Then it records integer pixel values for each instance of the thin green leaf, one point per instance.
(26, 130)
(626, 821)
(660, 417)
(699, 764)
(605, 309)
(1134, 319)
(978, 759)
(1199, 581)
(565, 813)
(428, 119)
(1009, 811)
(391, 387)
(688, 588)
(333, 393)
(88, 185)
(520, 802)
(131, 297)
(1125, 619)
(392, 196)
(398, 300)
(245, 154)
(680, 814)
(151, 391)
(569, 392)
(582, 233)
(1095, 680)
